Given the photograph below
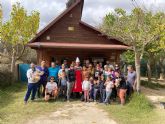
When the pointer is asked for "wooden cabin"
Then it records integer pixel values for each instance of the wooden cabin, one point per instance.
(67, 37)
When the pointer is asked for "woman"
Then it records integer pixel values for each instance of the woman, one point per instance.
(121, 86)
(105, 72)
(78, 72)
(91, 70)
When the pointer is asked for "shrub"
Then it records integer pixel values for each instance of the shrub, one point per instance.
(5, 78)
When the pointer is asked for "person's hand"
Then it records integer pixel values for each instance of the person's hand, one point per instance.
(42, 72)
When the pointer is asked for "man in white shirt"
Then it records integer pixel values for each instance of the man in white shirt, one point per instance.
(33, 78)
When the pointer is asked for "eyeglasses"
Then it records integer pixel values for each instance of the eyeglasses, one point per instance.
(52, 79)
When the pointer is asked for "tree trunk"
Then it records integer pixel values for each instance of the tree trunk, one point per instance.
(12, 68)
(149, 73)
(162, 69)
(137, 66)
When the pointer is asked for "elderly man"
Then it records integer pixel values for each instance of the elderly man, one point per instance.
(33, 78)
(131, 79)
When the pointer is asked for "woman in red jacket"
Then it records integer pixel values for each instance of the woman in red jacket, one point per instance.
(78, 71)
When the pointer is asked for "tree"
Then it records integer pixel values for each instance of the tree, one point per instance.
(137, 29)
(70, 2)
(0, 20)
(0, 13)
(156, 46)
(17, 32)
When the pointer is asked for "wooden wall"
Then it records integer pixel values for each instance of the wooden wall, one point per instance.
(59, 31)
(112, 55)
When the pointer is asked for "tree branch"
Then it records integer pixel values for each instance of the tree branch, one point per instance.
(21, 53)
(4, 55)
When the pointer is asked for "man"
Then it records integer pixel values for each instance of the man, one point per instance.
(32, 83)
(53, 71)
(97, 71)
(71, 80)
(57, 64)
(131, 80)
(65, 63)
(43, 79)
(87, 63)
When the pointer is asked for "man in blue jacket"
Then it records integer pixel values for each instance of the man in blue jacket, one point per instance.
(53, 71)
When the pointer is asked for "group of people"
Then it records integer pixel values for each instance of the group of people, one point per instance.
(93, 82)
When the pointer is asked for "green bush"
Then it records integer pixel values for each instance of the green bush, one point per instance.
(5, 78)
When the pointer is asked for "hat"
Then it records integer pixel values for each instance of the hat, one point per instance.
(77, 59)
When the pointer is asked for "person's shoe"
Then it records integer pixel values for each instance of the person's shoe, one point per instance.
(25, 102)
(105, 103)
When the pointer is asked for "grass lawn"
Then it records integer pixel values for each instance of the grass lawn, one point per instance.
(13, 110)
(138, 111)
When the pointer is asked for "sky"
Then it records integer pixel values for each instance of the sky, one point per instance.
(93, 11)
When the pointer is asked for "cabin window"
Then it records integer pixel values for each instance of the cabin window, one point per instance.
(70, 28)
(47, 37)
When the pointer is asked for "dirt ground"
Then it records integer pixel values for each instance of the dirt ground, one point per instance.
(75, 113)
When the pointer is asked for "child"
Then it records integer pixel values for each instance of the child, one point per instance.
(63, 87)
(51, 89)
(86, 89)
(85, 73)
(92, 89)
(109, 85)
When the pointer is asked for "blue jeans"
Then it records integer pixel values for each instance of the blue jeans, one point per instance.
(39, 92)
(108, 94)
(102, 95)
(95, 93)
(69, 89)
(92, 93)
(32, 87)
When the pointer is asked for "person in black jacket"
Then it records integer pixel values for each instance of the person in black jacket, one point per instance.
(102, 89)
(120, 83)
(71, 80)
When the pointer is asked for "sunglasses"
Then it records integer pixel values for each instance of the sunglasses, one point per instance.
(52, 79)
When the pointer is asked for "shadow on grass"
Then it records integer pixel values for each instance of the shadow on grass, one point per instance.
(7, 94)
(152, 85)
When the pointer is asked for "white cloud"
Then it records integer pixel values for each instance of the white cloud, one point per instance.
(93, 12)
